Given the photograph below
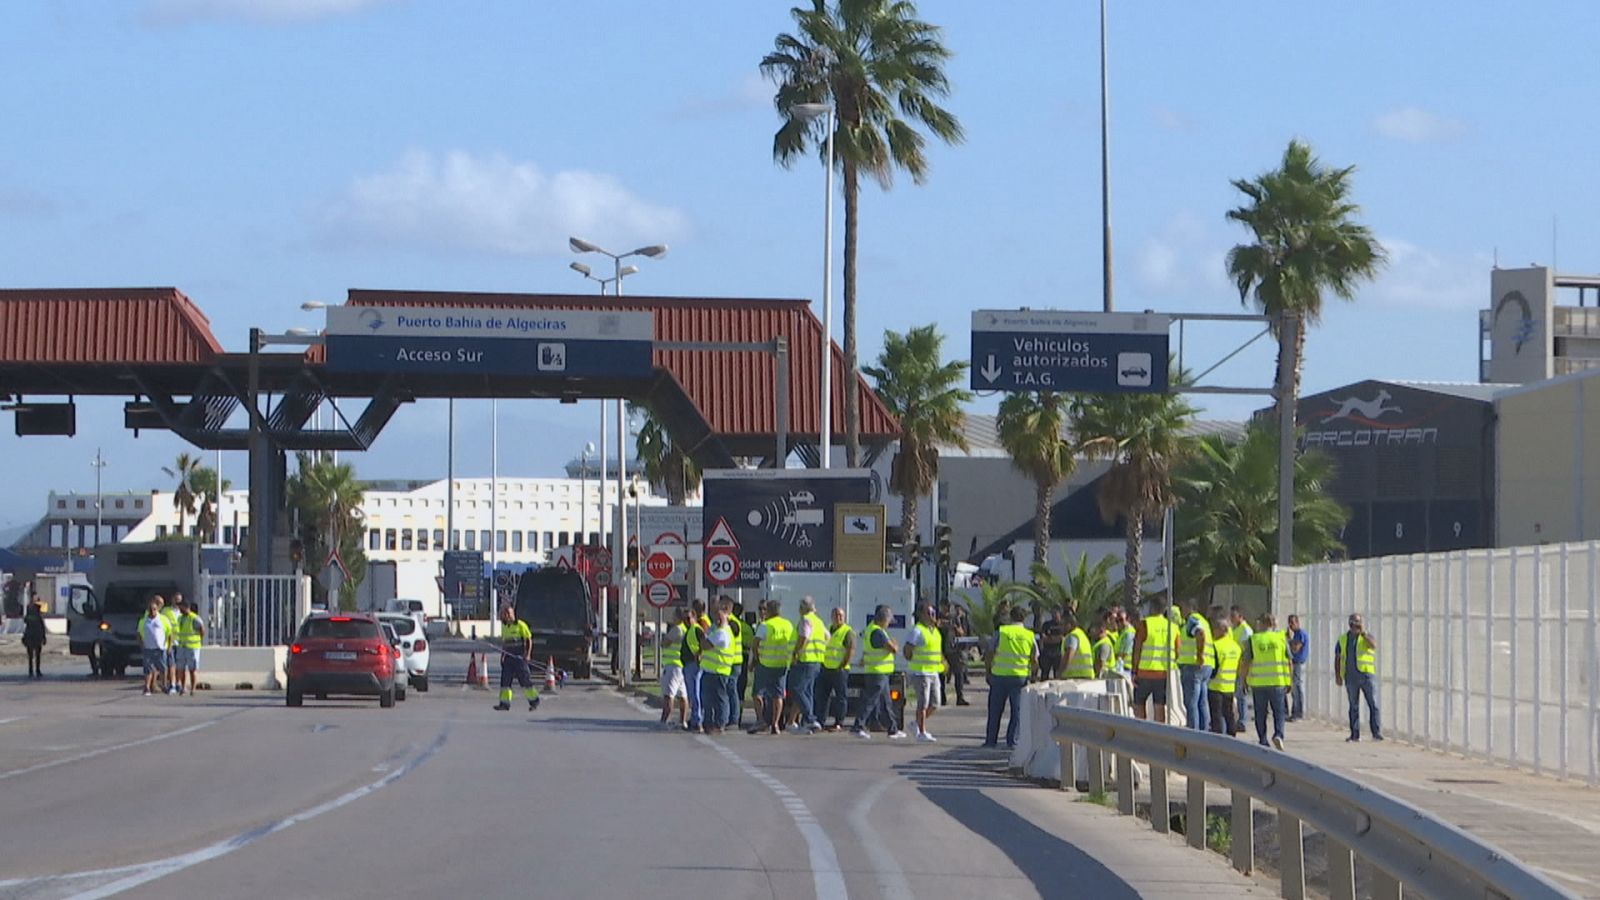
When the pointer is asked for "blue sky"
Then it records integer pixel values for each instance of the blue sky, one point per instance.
(260, 153)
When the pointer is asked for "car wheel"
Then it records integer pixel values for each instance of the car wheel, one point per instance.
(386, 699)
(292, 697)
(399, 693)
(421, 684)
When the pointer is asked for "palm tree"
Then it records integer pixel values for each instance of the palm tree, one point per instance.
(666, 465)
(326, 500)
(1144, 436)
(1306, 243)
(1032, 430)
(882, 70)
(183, 496)
(1227, 523)
(923, 392)
(203, 482)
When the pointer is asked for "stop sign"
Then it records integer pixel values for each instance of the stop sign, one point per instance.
(659, 566)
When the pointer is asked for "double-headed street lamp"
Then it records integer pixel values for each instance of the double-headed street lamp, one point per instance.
(809, 112)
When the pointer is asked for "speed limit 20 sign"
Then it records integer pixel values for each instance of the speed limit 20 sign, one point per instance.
(722, 566)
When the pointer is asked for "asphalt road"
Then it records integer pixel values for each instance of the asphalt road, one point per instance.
(107, 793)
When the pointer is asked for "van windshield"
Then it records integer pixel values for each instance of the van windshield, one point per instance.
(133, 599)
(346, 629)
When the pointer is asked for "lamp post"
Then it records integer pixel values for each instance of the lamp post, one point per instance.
(620, 533)
(1105, 167)
(583, 491)
(811, 111)
(99, 465)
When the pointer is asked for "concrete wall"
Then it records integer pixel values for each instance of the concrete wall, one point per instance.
(1548, 451)
(984, 498)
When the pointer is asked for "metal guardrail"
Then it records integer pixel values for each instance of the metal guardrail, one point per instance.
(1409, 849)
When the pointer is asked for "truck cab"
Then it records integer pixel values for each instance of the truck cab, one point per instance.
(103, 617)
(555, 603)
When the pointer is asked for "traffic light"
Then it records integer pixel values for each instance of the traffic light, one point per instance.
(297, 551)
(633, 560)
(941, 537)
(913, 552)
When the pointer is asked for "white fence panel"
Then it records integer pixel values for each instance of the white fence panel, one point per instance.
(253, 610)
(1489, 653)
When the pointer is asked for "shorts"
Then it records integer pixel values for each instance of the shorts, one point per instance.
(927, 687)
(155, 661)
(672, 683)
(771, 683)
(186, 658)
(1152, 688)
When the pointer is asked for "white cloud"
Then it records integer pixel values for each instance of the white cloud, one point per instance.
(492, 204)
(750, 93)
(1183, 259)
(1170, 119)
(269, 12)
(1418, 277)
(1415, 125)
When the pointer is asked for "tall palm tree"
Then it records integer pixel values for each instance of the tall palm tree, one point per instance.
(203, 482)
(183, 496)
(1033, 431)
(1227, 523)
(1306, 242)
(1144, 436)
(882, 69)
(923, 392)
(666, 465)
(326, 499)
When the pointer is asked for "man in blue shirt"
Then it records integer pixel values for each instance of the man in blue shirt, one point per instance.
(1299, 651)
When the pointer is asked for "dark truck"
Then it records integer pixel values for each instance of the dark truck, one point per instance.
(555, 603)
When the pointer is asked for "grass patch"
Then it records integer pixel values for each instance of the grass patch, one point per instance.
(1099, 798)
(1219, 833)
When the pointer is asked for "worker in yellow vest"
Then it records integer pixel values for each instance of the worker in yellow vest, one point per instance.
(1265, 667)
(810, 647)
(1153, 643)
(189, 635)
(1077, 655)
(924, 649)
(1194, 666)
(774, 651)
(733, 697)
(833, 686)
(1011, 661)
(694, 632)
(1122, 632)
(1225, 653)
(877, 664)
(1105, 653)
(1355, 668)
(674, 695)
(1239, 627)
(716, 668)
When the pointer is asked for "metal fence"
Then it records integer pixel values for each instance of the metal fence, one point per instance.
(253, 610)
(1489, 653)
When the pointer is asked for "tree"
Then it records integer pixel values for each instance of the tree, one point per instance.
(1306, 243)
(1227, 521)
(1144, 436)
(325, 499)
(923, 392)
(203, 482)
(1032, 430)
(882, 69)
(666, 465)
(183, 496)
(983, 612)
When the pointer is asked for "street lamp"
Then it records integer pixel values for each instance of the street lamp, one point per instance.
(99, 465)
(583, 490)
(588, 273)
(809, 112)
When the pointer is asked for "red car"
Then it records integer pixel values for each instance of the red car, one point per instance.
(338, 654)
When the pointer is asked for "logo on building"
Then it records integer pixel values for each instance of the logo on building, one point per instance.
(1524, 332)
(1352, 407)
(371, 318)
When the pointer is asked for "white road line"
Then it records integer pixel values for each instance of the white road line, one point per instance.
(15, 773)
(12, 719)
(891, 878)
(826, 876)
(143, 873)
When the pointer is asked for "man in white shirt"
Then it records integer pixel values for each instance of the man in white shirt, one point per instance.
(153, 643)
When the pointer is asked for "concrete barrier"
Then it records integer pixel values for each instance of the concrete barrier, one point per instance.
(1036, 754)
(263, 668)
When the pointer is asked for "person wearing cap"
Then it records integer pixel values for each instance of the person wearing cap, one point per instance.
(924, 649)
(1355, 668)
(188, 634)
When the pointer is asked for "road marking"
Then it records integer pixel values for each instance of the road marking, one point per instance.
(12, 719)
(891, 878)
(143, 873)
(14, 773)
(826, 875)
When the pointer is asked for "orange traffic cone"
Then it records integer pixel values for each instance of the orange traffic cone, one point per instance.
(550, 675)
(472, 668)
(483, 673)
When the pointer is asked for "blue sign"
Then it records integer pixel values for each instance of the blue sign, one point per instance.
(1071, 352)
(490, 341)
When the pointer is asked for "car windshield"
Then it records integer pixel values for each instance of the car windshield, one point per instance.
(402, 626)
(341, 629)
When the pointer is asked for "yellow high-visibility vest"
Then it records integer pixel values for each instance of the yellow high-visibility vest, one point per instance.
(1082, 663)
(777, 648)
(875, 661)
(927, 657)
(1269, 659)
(815, 647)
(1366, 654)
(835, 657)
(1013, 656)
(1155, 654)
(1226, 652)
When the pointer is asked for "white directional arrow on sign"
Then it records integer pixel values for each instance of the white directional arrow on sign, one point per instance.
(990, 370)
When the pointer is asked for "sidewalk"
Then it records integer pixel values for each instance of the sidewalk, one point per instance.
(1552, 825)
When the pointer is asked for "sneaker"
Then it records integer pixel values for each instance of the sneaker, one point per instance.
(147, 692)
(756, 730)
(1377, 737)
(989, 745)
(814, 728)
(533, 704)
(927, 738)
(172, 691)
(1277, 742)
(502, 706)
(1352, 739)
(897, 735)
(796, 729)
(861, 733)
(962, 703)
